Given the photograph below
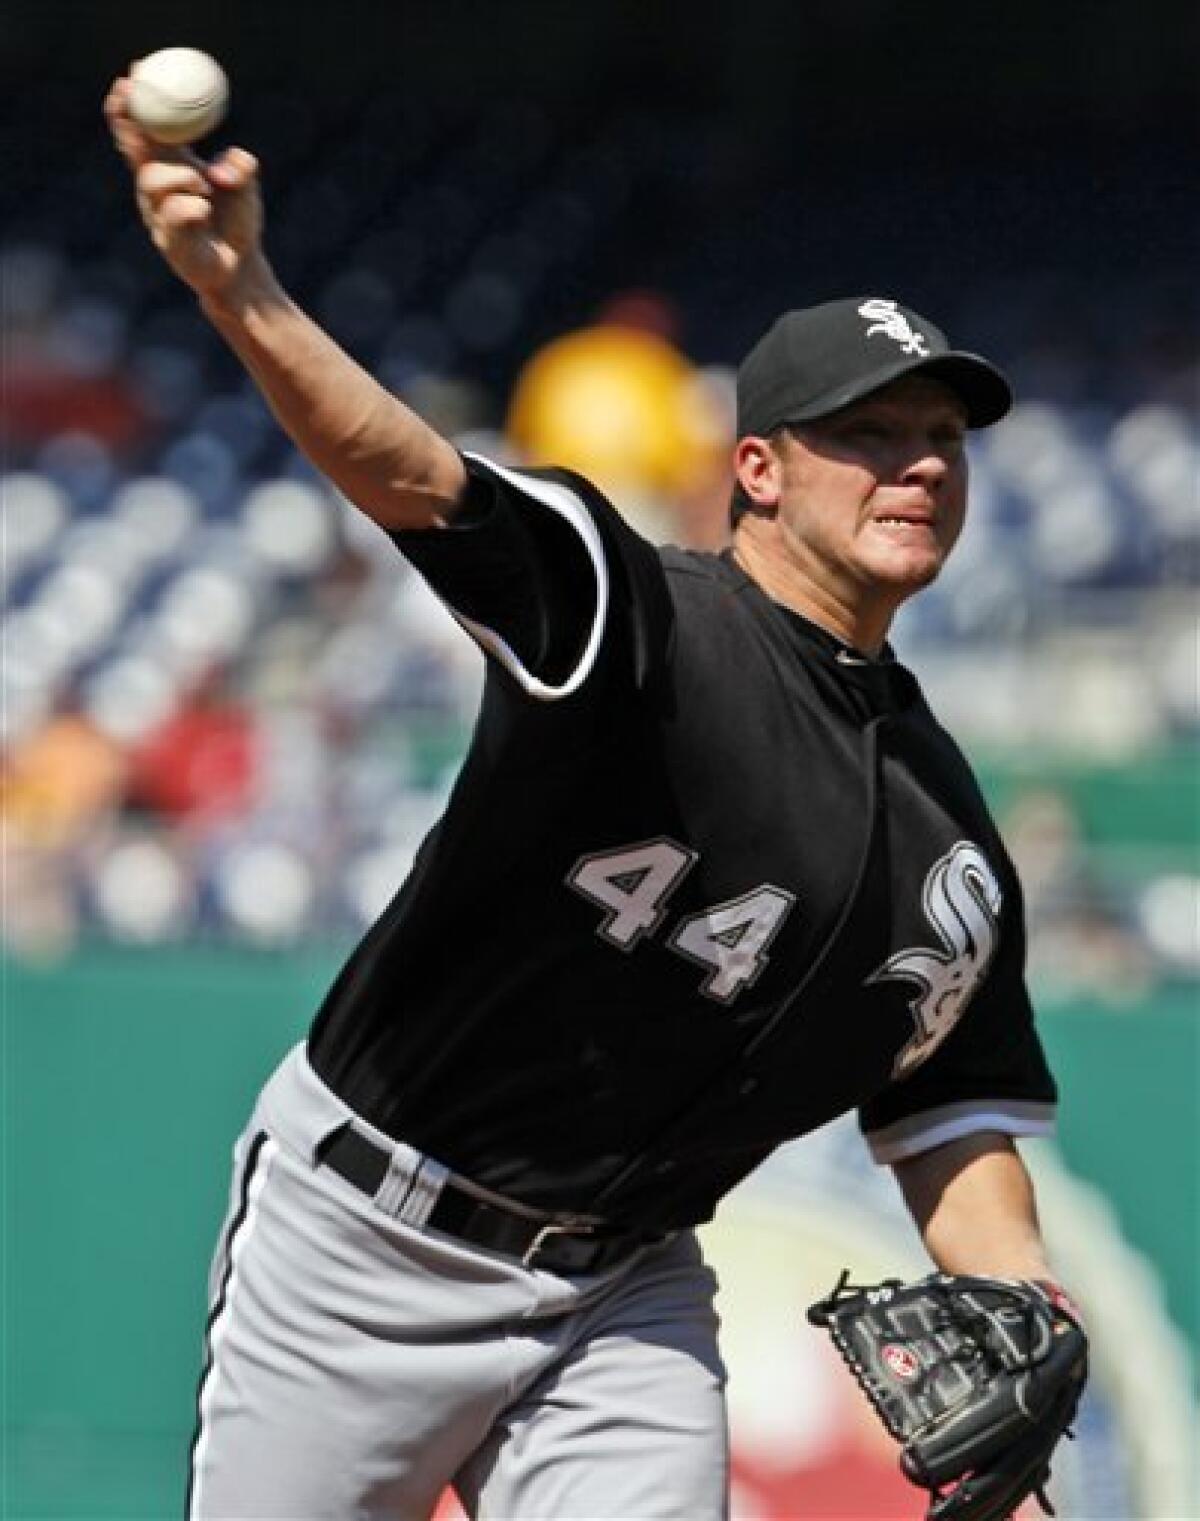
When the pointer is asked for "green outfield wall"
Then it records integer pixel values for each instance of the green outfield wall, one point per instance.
(126, 1077)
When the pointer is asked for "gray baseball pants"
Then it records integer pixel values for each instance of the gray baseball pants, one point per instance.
(357, 1363)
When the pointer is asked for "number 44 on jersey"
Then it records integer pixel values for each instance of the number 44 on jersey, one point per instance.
(634, 884)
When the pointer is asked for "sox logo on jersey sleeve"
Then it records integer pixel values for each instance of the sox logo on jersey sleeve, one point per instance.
(962, 900)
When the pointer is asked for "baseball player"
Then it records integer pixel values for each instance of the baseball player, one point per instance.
(711, 875)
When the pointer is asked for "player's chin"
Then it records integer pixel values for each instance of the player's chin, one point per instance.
(906, 557)
(907, 570)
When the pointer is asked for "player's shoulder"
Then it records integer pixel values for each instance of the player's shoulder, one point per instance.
(714, 596)
(700, 573)
(694, 563)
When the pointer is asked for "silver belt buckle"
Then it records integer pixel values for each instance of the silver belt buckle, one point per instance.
(553, 1228)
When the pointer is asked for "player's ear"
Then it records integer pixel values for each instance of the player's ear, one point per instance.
(759, 469)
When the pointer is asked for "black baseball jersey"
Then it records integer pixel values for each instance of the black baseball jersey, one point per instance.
(707, 879)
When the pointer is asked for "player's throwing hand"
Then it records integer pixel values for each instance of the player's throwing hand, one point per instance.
(205, 219)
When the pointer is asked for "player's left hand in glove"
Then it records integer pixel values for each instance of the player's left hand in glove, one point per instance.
(977, 1378)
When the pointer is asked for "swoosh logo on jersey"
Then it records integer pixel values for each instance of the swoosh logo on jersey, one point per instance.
(961, 898)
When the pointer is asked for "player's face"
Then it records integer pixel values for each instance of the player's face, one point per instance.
(873, 497)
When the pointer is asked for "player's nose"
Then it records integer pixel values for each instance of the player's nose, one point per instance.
(925, 466)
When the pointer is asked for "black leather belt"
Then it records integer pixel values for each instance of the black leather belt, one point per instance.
(562, 1246)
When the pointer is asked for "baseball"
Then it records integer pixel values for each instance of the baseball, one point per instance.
(178, 94)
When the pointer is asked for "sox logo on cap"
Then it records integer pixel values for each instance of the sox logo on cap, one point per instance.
(885, 319)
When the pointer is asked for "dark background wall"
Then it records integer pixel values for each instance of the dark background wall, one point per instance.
(1095, 63)
(1048, 148)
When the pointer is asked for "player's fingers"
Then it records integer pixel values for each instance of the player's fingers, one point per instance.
(180, 213)
(159, 178)
(234, 170)
(132, 143)
(116, 102)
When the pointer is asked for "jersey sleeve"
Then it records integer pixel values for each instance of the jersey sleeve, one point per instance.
(990, 1074)
(547, 578)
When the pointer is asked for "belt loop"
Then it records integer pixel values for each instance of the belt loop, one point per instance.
(427, 1184)
(403, 1166)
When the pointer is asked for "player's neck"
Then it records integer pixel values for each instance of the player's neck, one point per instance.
(862, 628)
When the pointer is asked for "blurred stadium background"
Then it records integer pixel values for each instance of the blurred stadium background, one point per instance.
(229, 712)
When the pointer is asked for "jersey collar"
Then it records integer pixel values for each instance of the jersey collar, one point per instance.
(874, 685)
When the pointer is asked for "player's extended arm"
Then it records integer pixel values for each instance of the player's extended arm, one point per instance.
(973, 1203)
(206, 221)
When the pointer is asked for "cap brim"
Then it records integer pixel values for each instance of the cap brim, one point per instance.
(979, 385)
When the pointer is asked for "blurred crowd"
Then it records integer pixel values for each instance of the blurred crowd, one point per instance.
(230, 710)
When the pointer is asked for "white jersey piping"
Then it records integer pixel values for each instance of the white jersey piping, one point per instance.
(922, 1132)
(239, 1236)
(563, 501)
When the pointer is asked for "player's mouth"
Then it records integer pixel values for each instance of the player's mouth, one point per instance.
(908, 509)
(902, 520)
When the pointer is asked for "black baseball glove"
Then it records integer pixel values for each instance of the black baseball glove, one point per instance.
(977, 1378)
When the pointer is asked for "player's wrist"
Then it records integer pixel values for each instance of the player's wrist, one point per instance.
(251, 289)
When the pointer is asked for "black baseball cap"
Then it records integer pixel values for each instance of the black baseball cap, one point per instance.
(819, 359)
